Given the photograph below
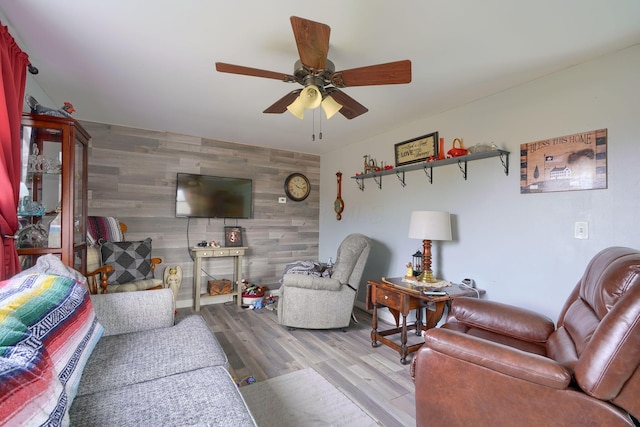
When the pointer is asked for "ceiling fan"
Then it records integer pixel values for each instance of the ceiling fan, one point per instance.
(318, 77)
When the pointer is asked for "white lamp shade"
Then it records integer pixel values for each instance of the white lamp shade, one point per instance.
(430, 225)
(310, 97)
(330, 106)
(296, 108)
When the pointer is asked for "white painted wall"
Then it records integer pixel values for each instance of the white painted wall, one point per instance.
(519, 247)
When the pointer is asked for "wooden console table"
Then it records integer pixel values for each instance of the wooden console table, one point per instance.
(211, 252)
(400, 298)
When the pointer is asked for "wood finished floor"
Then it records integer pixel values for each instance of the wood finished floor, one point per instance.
(373, 378)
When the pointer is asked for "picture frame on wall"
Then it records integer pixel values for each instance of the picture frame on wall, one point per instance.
(417, 149)
(232, 236)
(564, 163)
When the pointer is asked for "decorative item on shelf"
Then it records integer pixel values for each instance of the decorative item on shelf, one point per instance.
(37, 163)
(27, 207)
(481, 148)
(36, 108)
(417, 149)
(409, 274)
(32, 236)
(428, 226)
(457, 151)
(219, 287)
(371, 165)
(417, 263)
(440, 150)
(232, 236)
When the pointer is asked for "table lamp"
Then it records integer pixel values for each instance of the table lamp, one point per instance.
(428, 226)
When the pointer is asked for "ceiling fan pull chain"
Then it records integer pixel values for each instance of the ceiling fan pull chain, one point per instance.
(320, 125)
(313, 125)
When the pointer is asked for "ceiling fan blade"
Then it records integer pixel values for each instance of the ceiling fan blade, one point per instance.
(255, 72)
(280, 106)
(350, 107)
(312, 40)
(398, 72)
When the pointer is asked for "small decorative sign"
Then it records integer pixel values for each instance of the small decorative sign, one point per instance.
(565, 163)
(417, 149)
(232, 236)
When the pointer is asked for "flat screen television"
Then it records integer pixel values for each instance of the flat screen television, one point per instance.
(206, 196)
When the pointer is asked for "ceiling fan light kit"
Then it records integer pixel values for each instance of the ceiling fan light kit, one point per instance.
(318, 77)
(311, 98)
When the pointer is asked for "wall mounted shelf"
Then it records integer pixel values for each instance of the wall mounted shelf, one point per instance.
(428, 167)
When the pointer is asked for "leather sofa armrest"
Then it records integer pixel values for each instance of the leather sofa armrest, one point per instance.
(496, 357)
(311, 282)
(502, 319)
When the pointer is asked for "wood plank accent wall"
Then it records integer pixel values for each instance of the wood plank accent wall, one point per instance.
(132, 176)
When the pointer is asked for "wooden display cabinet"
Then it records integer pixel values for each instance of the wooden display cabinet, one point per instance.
(53, 190)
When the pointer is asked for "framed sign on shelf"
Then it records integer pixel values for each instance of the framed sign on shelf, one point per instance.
(417, 149)
(232, 236)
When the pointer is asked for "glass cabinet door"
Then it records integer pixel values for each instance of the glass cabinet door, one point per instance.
(79, 204)
(40, 188)
(52, 209)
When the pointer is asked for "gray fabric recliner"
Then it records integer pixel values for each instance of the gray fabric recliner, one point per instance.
(312, 302)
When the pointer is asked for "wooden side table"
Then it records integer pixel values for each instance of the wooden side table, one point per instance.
(401, 298)
(209, 252)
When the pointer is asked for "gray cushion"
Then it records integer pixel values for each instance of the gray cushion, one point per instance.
(204, 397)
(123, 313)
(138, 285)
(130, 260)
(121, 360)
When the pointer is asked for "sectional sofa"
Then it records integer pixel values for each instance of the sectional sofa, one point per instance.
(68, 358)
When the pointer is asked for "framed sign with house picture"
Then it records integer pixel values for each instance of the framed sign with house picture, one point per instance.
(232, 236)
(564, 163)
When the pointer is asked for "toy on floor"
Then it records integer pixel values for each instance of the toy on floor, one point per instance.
(247, 380)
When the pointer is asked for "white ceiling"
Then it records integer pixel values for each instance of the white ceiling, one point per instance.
(150, 64)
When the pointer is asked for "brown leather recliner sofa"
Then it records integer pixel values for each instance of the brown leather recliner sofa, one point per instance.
(492, 364)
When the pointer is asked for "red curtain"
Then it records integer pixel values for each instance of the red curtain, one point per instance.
(13, 74)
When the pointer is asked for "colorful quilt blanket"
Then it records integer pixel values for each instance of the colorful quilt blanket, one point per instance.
(48, 329)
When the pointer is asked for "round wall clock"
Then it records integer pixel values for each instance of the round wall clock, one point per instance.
(297, 187)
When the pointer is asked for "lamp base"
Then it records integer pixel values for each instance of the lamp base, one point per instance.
(427, 277)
